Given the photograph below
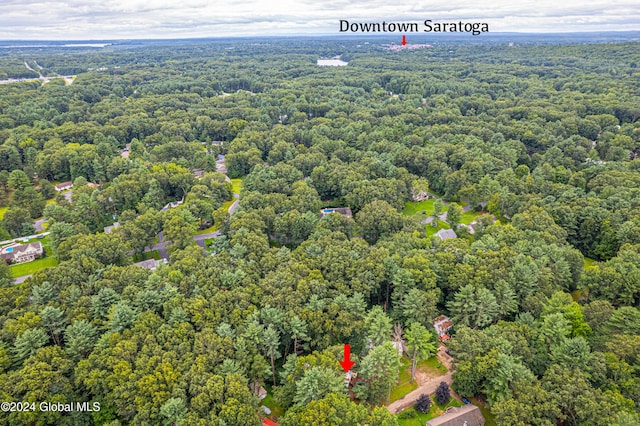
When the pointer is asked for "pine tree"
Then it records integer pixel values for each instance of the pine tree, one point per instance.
(423, 403)
(443, 393)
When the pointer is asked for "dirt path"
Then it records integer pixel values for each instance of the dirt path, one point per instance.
(427, 386)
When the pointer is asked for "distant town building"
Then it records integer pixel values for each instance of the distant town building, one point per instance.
(446, 234)
(20, 253)
(345, 211)
(335, 62)
(467, 415)
(64, 186)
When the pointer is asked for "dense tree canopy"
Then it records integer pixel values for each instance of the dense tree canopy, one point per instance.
(530, 151)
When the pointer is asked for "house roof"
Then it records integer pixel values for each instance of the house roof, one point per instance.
(442, 324)
(148, 264)
(268, 422)
(445, 234)
(64, 185)
(14, 250)
(467, 415)
(108, 229)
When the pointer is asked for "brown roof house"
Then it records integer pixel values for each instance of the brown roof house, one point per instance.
(442, 324)
(20, 253)
(467, 415)
(64, 186)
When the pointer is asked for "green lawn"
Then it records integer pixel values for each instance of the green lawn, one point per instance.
(489, 418)
(468, 217)
(403, 386)
(236, 185)
(212, 228)
(432, 367)
(588, 262)
(31, 267)
(139, 257)
(276, 410)
(431, 230)
(419, 207)
(3, 210)
(420, 419)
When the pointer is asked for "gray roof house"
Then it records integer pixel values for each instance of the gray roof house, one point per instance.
(446, 234)
(151, 264)
(467, 415)
(19, 253)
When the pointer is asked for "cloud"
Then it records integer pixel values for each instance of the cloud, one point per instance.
(113, 19)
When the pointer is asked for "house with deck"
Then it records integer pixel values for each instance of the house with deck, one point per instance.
(20, 253)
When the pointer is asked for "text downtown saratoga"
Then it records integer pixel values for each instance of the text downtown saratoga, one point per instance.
(428, 26)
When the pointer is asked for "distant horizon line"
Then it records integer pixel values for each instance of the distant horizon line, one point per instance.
(322, 35)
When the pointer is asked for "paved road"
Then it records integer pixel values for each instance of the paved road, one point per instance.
(200, 238)
(20, 280)
(427, 387)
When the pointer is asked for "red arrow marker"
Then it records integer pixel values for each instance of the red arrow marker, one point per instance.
(347, 363)
(404, 40)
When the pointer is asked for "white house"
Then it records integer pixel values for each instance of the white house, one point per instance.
(64, 186)
(20, 253)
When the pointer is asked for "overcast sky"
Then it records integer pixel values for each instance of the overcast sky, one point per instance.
(118, 19)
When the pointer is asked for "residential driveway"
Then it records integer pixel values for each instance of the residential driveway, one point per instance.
(200, 238)
(233, 207)
(39, 225)
(427, 387)
(162, 249)
(20, 280)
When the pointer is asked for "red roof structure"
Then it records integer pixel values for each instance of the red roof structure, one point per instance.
(268, 422)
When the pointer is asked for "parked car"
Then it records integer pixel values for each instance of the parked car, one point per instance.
(465, 400)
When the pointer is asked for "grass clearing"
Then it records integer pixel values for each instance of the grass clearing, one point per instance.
(30, 267)
(430, 231)
(588, 262)
(212, 228)
(419, 207)
(403, 387)
(490, 419)
(3, 210)
(432, 367)
(236, 185)
(139, 257)
(276, 410)
(470, 216)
